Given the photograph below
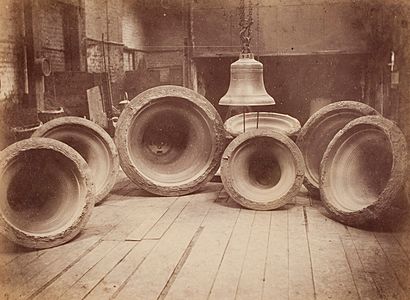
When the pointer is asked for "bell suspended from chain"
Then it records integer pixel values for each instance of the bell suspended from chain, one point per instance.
(246, 87)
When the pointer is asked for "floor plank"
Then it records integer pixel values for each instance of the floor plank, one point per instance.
(397, 258)
(107, 287)
(10, 251)
(69, 277)
(133, 217)
(151, 277)
(331, 269)
(300, 269)
(205, 245)
(63, 257)
(253, 271)
(151, 218)
(363, 280)
(277, 261)
(197, 274)
(375, 263)
(160, 227)
(327, 256)
(318, 224)
(90, 279)
(227, 278)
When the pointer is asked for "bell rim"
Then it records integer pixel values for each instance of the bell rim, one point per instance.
(225, 101)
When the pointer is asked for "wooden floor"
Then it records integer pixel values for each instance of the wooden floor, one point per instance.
(204, 246)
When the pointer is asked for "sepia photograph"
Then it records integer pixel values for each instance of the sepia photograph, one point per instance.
(204, 149)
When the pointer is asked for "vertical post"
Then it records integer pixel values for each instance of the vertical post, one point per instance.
(29, 42)
(33, 51)
(189, 68)
(257, 119)
(243, 113)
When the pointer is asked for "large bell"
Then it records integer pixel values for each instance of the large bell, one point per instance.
(246, 87)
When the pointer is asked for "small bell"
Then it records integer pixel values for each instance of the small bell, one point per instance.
(246, 87)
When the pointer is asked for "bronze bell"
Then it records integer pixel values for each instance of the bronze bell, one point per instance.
(246, 87)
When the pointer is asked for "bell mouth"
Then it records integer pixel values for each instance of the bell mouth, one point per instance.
(320, 139)
(319, 130)
(360, 169)
(42, 190)
(172, 142)
(91, 147)
(264, 169)
(363, 172)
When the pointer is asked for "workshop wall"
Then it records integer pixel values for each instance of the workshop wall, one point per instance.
(400, 77)
(11, 63)
(11, 43)
(154, 35)
(282, 27)
(104, 18)
(52, 34)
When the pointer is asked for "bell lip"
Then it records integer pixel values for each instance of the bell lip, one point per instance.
(255, 101)
(283, 123)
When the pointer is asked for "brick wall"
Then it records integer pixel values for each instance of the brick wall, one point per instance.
(96, 21)
(11, 63)
(11, 32)
(134, 29)
(52, 36)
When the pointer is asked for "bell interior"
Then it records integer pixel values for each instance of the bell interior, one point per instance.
(40, 191)
(320, 138)
(90, 146)
(262, 169)
(360, 169)
(171, 142)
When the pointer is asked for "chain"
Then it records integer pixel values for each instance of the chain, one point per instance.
(257, 28)
(245, 25)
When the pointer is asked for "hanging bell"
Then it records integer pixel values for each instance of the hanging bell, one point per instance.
(246, 87)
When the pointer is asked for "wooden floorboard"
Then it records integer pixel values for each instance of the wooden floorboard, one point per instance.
(152, 276)
(62, 259)
(198, 272)
(205, 246)
(70, 277)
(230, 269)
(364, 283)
(377, 265)
(91, 278)
(330, 266)
(162, 225)
(276, 285)
(107, 287)
(301, 284)
(253, 270)
(397, 258)
(150, 219)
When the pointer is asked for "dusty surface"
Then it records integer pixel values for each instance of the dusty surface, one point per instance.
(203, 246)
(94, 145)
(267, 120)
(50, 194)
(183, 167)
(262, 169)
(319, 130)
(363, 171)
